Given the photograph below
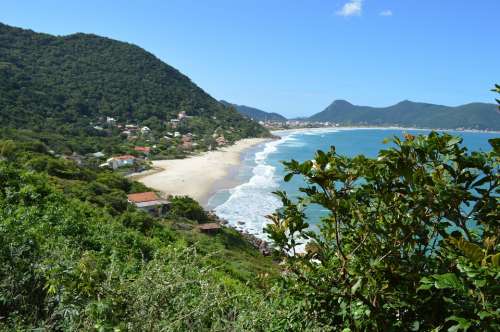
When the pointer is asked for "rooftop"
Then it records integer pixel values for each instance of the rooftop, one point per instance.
(209, 226)
(125, 157)
(146, 149)
(143, 197)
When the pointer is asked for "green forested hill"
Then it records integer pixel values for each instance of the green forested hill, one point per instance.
(255, 113)
(411, 114)
(63, 85)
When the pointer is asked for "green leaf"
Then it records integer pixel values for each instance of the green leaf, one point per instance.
(472, 251)
(495, 259)
(288, 177)
(495, 143)
(454, 140)
(424, 287)
(447, 280)
(356, 286)
(480, 283)
(463, 324)
(415, 326)
(483, 314)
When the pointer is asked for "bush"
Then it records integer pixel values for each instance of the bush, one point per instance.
(410, 241)
(184, 206)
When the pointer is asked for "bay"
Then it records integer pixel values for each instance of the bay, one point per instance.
(261, 172)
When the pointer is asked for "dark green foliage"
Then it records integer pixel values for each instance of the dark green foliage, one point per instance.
(410, 240)
(57, 89)
(411, 114)
(184, 206)
(76, 256)
(254, 113)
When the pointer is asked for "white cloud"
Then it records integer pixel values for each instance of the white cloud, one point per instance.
(351, 8)
(387, 12)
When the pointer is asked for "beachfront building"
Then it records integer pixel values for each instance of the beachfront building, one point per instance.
(209, 228)
(143, 149)
(98, 154)
(120, 161)
(150, 202)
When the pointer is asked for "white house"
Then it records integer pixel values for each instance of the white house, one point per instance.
(149, 202)
(110, 120)
(120, 161)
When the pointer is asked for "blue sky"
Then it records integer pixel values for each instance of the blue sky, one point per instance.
(297, 56)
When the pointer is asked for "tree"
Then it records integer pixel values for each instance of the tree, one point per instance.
(7, 148)
(184, 206)
(410, 240)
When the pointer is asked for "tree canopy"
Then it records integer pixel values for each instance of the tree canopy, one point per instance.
(409, 240)
(59, 88)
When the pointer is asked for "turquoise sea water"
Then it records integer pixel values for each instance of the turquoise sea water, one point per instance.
(261, 172)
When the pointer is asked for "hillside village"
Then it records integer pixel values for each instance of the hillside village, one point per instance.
(142, 143)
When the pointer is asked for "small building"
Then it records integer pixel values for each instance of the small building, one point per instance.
(98, 154)
(181, 115)
(150, 202)
(110, 120)
(143, 149)
(120, 161)
(145, 130)
(209, 228)
(131, 127)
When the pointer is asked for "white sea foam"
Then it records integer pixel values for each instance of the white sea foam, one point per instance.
(250, 202)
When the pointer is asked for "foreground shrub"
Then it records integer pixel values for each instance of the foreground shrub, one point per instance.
(409, 240)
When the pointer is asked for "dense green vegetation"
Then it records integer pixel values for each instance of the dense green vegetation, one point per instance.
(58, 89)
(410, 240)
(410, 114)
(76, 256)
(255, 113)
(410, 243)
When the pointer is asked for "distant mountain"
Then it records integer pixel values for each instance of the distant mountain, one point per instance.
(412, 114)
(254, 113)
(60, 85)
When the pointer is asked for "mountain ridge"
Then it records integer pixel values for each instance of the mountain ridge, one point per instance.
(60, 85)
(255, 113)
(475, 115)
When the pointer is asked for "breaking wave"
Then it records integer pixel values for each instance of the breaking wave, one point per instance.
(250, 202)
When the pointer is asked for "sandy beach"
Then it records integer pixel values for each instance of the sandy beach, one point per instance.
(198, 175)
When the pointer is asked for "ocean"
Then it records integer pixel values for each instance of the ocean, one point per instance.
(261, 172)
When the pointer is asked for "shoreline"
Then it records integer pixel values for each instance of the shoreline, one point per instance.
(292, 130)
(198, 176)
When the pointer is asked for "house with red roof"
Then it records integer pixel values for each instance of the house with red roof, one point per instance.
(143, 149)
(150, 202)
